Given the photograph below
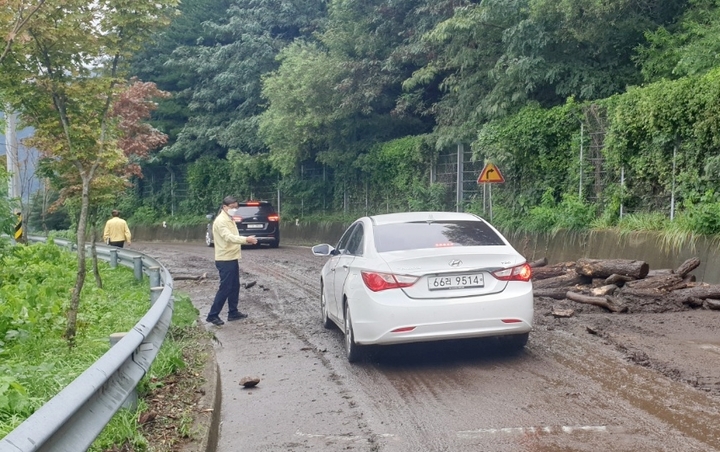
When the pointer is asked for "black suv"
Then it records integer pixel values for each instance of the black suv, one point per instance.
(256, 218)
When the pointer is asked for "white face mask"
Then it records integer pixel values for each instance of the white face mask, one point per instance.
(232, 211)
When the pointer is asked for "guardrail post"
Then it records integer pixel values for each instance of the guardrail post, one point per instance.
(155, 294)
(154, 273)
(137, 265)
(113, 258)
(131, 402)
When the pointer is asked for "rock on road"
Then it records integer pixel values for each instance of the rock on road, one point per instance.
(593, 382)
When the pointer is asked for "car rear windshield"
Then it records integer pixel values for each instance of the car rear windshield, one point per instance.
(255, 211)
(436, 234)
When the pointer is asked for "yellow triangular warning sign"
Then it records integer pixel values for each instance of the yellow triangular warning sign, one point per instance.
(490, 173)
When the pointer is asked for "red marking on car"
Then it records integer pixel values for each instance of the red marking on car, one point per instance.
(405, 329)
(511, 320)
(252, 203)
(444, 245)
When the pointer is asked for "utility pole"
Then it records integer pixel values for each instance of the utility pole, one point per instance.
(11, 154)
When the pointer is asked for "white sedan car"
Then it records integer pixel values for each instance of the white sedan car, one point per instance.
(424, 276)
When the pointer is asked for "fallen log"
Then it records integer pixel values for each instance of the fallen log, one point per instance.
(618, 280)
(541, 273)
(701, 292)
(603, 302)
(712, 304)
(688, 266)
(557, 293)
(602, 268)
(660, 271)
(570, 278)
(602, 291)
(661, 282)
(646, 300)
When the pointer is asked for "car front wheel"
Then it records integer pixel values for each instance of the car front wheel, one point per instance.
(208, 239)
(352, 349)
(326, 322)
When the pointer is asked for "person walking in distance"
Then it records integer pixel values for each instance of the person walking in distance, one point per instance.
(228, 243)
(116, 231)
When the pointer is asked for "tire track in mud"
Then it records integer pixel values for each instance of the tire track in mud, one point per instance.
(565, 392)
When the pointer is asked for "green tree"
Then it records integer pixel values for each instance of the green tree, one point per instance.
(689, 47)
(66, 80)
(227, 69)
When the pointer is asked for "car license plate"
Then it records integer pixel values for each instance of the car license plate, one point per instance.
(255, 226)
(456, 281)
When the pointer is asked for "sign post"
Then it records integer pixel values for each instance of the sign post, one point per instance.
(490, 174)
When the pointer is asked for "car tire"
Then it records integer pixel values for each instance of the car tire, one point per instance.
(353, 350)
(208, 239)
(516, 342)
(275, 243)
(326, 322)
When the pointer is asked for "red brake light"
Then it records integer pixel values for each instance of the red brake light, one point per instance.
(273, 217)
(376, 281)
(252, 203)
(520, 273)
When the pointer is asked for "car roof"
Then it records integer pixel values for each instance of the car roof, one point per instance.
(406, 217)
(254, 202)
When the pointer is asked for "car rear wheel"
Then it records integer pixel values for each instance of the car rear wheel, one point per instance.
(275, 243)
(353, 350)
(326, 322)
(516, 342)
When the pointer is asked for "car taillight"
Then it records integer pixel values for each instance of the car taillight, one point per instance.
(520, 273)
(273, 217)
(252, 203)
(376, 281)
(237, 218)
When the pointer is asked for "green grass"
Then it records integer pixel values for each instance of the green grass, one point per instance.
(36, 282)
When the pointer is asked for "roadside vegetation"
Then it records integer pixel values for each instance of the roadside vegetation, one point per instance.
(36, 362)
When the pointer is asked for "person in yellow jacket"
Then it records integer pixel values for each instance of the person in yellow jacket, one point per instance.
(116, 231)
(228, 243)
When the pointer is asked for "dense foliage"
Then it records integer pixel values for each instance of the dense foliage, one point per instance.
(595, 109)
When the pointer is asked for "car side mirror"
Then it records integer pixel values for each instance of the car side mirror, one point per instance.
(209, 216)
(323, 250)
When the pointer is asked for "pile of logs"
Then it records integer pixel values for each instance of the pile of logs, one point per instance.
(620, 285)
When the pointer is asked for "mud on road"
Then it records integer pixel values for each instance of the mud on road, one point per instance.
(592, 382)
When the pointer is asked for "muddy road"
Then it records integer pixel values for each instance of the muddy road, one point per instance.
(593, 382)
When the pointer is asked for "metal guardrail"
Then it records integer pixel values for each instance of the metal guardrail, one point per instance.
(71, 420)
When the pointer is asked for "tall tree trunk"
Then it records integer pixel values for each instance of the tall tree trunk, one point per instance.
(81, 272)
(93, 250)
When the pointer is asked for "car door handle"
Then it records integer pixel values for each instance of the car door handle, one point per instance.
(346, 267)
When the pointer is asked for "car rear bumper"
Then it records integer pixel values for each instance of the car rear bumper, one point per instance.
(440, 319)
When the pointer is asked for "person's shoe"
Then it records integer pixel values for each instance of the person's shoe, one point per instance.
(215, 321)
(238, 316)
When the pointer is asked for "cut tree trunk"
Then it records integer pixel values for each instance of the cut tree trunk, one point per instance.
(687, 266)
(557, 293)
(701, 292)
(618, 280)
(661, 282)
(608, 289)
(602, 268)
(659, 272)
(603, 302)
(541, 273)
(570, 278)
(712, 304)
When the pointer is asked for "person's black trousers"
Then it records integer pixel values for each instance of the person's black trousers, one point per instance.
(229, 288)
